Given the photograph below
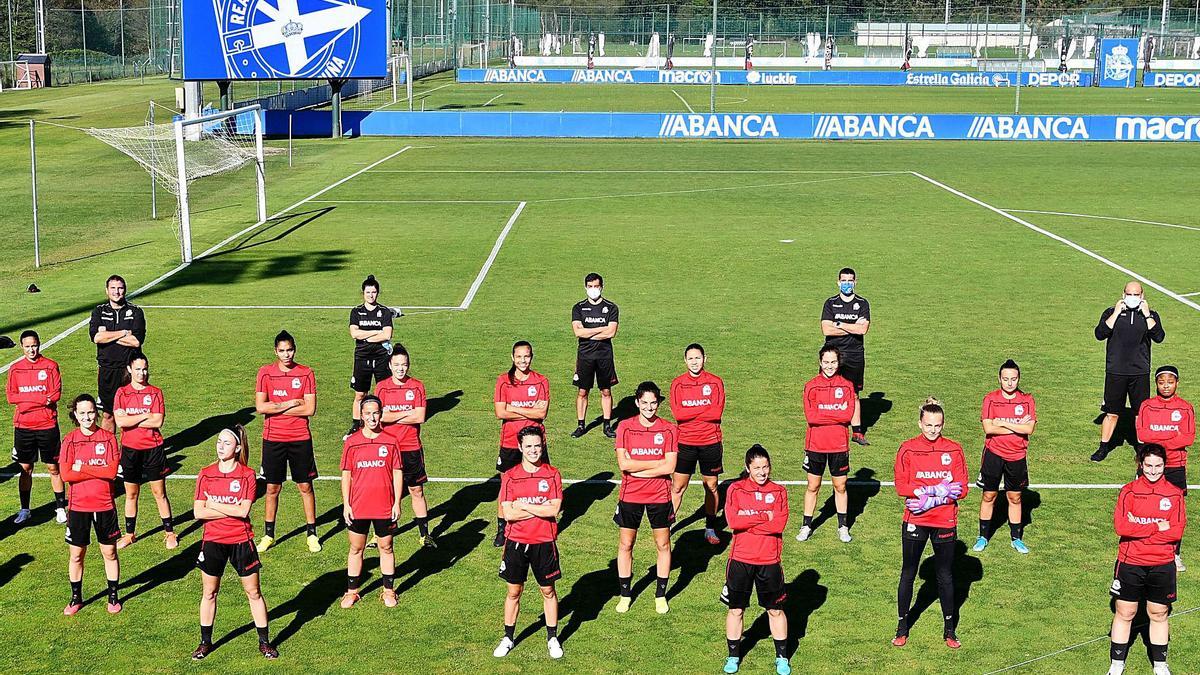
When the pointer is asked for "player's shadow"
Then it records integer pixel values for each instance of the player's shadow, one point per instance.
(1126, 429)
(622, 409)
(874, 406)
(699, 514)
(37, 516)
(177, 519)
(332, 515)
(173, 568)
(805, 594)
(967, 570)
(691, 557)
(426, 563)
(10, 569)
(295, 221)
(587, 598)
(201, 431)
(459, 506)
(860, 489)
(1140, 627)
(579, 497)
(442, 403)
(1030, 501)
(312, 602)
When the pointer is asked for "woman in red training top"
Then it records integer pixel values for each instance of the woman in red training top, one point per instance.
(1009, 416)
(830, 404)
(1149, 519)
(403, 398)
(531, 497)
(522, 399)
(139, 410)
(647, 446)
(931, 474)
(757, 511)
(225, 491)
(697, 403)
(88, 460)
(34, 387)
(372, 483)
(1169, 421)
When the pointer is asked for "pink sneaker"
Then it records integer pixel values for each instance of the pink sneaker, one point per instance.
(72, 608)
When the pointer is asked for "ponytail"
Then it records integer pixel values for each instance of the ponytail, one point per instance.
(239, 434)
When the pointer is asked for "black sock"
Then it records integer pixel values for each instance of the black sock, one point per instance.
(130, 524)
(77, 590)
(25, 499)
(902, 626)
(60, 500)
(353, 582)
(422, 525)
(168, 526)
(858, 429)
(500, 525)
(1016, 530)
(841, 520)
(263, 636)
(1118, 651)
(269, 528)
(112, 588)
(660, 590)
(389, 581)
(1158, 653)
(582, 424)
(985, 528)
(607, 422)
(206, 634)
(807, 520)
(780, 648)
(510, 631)
(310, 529)
(712, 522)
(626, 586)
(1105, 445)
(734, 646)
(947, 625)
(551, 632)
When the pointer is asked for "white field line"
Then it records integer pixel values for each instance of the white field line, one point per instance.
(215, 247)
(1086, 215)
(606, 171)
(1174, 615)
(282, 307)
(1091, 254)
(1189, 295)
(716, 189)
(491, 100)
(487, 265)
(684, 101)
(415, 201)
(427, 92)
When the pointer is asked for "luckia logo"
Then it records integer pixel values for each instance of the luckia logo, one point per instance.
(1118, 66)
(290, 38)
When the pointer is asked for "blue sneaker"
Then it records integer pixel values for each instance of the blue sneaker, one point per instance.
(1020, 547)
(782, 666)
(980, 544)
(732, 663)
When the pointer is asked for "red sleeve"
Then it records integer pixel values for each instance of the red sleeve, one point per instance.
(1121, 523)
(249, 488)
(985, 410)
(1178, 520)
(395, 463)
(55, 384)
(717, 410)
(420, 402)
(959, 471)
(814, 415)
(544, 387)
(310, 383)
(778, 523)
(1187, 428)
(556, 489)
(345, 466)
(1032, 409)
(904, 485)
(199, 488)
(619, 441)
(1142, 426)
(113, 460)
(66, 462)
(504, 487)
(158, 404)
(737, 521)
(498, 397)
(681, 413)
(672, 440)
(10, 388)
(261, 385)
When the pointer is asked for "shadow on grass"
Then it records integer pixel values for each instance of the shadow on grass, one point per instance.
(805, 595)
(860, 489)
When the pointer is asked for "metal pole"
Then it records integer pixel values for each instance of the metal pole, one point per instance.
(9, 13)
(1166, 8)
(1020, 58)
(121, 18)
(826, 22)
(512, 23)
(408, 43)
(289, 140)
(260, 164)
(37, 254)
(712, 87)
(83, 26)
(185, 218)
(987, 29)
(40, 20)
(947, 21)
(153, 183)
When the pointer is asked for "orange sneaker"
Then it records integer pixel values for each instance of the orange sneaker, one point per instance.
(349, 599)
(126, 540)
(171, 541)
(388, 596)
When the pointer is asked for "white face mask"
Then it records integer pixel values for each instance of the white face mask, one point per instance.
(593, 293)
(1133, 301)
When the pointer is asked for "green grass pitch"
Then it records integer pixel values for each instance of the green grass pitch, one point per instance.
(733, 244)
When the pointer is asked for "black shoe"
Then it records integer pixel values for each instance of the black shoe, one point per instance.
(610, 431)
(355, 426)
(579, 432)
(1100, 454)
(499, 540)
(202, 651)
(861, 439)
(268, 651)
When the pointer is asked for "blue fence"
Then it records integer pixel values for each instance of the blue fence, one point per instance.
(939, 78)
(747, 126)
(1171, 80)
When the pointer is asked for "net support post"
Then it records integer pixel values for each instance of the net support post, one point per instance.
(37, 253)
(260, 166)
(185, 222)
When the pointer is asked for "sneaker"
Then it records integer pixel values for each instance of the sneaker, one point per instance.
(353, 428)
(268, 651)
(710, 535)
(1117, 668)
(952, 640)
(660, 605)
(60, 516)
(554, 648)
(114, 606)
(388, 596)
(579, 432)
(804, 533)
(22, 516)
(73, 607)
(844, 535)
(171, 541)
(1100, 453)
(1179, 566)
(314, 544)
(1161, 668)
(899, 640)
(980, 544)
(732, 663)
(782, 667)
(1020, 547)
(499, 540)
(610, 430)
(349, 599)
(373, 542)
(502, 649)
(265, 543)
(202, 650)
(861, 439)
(427, 541)
(623, 604)
(126, 540)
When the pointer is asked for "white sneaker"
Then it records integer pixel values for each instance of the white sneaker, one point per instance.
(844, 535)
(1179, 566)
(60, 516)
(23, 515)
(1161, 668)
(804, 533)
(505, 647)
(1117, 668)
(555, 649)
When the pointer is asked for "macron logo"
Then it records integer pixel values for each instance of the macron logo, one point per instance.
(717, 126)
(1043, 128)
(1158, 128)
(873, 126)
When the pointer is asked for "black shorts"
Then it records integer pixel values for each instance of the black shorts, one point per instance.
(993, 466)
(81, 523)
(412, 464)
(144, 466)
(108, 381)
(510, 457)
(30, 444)
(853, 370)
(1177, 476)
(708, 456)
(242, 557)
(1152, 583)
(519, 558)
(277, 456)
(838, 463)
(741, 578)
(629, 515)
(367, 369)
(940, 536)
(1119, 387)
(602, 370)
(383, 527)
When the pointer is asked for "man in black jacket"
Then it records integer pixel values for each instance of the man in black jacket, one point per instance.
(1128, 327)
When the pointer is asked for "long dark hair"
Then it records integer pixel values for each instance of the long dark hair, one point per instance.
(1147, 450)
(512, 370)
(137, 356)
(76, 401)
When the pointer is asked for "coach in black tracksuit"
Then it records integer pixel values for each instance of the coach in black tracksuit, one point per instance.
(1128, 327)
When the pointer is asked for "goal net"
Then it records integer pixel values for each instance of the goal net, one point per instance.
(179, 152)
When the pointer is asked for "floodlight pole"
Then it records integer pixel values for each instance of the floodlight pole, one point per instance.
(37, 254)
(712, 86)
(1020, 58)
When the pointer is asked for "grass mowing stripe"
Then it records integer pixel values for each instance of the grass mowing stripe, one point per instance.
(732, 188)
(1064, 240)
(1123, 220)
